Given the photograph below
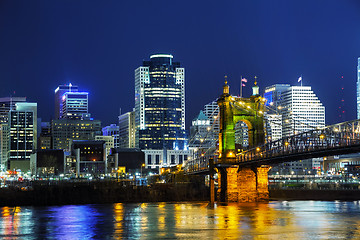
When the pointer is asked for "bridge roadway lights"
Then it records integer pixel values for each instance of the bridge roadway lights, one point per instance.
(243, 184)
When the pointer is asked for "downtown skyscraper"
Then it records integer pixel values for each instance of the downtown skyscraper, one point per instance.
(160, 107)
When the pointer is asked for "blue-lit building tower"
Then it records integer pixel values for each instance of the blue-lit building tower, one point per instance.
(160, 106)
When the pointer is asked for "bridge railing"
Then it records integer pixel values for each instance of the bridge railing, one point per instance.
(199, 164)
(334, 136)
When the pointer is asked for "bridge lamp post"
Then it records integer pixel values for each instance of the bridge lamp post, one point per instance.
(322, 136)
(286, 145)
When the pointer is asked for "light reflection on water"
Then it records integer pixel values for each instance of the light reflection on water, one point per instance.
(274, 220)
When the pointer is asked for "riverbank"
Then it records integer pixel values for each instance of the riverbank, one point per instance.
(63, 193)
(314, 194)
(90, 192)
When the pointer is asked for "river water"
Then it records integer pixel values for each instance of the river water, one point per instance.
(273, 220)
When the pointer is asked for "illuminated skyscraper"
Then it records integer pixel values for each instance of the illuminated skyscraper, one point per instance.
(358, 89)
(59, 92)
(160, 106)
(160, 103)
(74, 105)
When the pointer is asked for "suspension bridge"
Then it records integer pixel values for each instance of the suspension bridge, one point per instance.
(242, 175)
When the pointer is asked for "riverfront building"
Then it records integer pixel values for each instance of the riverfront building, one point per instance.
(160, 107)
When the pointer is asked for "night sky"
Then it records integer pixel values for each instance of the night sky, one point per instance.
(97, 45)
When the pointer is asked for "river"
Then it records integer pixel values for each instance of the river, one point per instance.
(273, 220)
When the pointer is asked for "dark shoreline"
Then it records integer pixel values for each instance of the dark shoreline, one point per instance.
(314, 194)
(102, 192)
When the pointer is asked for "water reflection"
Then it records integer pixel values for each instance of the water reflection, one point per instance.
(274, 220)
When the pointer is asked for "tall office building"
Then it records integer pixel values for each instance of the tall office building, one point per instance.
(74, 105)
(358, 89)
(160, 103)
(6, 105)
(301, 111)
(59, 92)
(127, 130)
(300, 108)
(22, 136)
(160, 108)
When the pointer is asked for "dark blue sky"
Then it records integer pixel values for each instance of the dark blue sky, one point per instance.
(98, 44)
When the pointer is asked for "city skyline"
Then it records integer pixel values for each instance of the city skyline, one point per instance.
(42, 49)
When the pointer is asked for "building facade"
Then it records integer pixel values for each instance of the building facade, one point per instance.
(160, 105)
(4, 145)
(74, 105)
(211, 111)
(64, 130)
(200, 135)
(109, 142)
(112, 130)
(127, 130)
(301, 110)
(273, 126)
(22, 135)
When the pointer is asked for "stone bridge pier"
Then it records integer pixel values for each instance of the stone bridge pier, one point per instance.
(242, 184)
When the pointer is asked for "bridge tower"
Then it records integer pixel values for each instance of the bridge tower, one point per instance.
(236, 183)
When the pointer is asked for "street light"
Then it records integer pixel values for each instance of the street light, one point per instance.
(142, 165)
